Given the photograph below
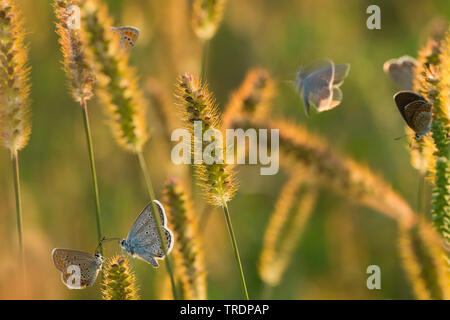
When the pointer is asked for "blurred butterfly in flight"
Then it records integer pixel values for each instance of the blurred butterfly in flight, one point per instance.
(143, 240)
(319, 84)
(416, 111)
(401, 70)
(128, 36)
(78, 269)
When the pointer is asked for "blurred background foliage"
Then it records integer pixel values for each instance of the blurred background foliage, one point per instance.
(340, 240)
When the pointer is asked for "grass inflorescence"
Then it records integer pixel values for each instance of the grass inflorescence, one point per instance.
(118, 84)
(423, 259)
(206, 17)
(188, 252)
(76, 63)
(119, 282)
(293, 207)
(15, 126)
(217, 180)
(433, 81)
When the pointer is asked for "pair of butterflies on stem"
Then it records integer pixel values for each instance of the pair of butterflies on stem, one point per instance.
(79, 269)
(414, 108)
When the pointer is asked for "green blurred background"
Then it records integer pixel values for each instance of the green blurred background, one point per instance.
(340, 240)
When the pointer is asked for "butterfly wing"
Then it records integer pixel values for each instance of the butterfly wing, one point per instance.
(340, 73)
(66, 260)
(401, 71)
(318, 88)
(403, 98)
(128, 36)
(143, 237)
(418, 115)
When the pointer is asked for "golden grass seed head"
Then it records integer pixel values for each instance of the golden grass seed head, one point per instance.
(77, 66)
(423, 259)
(330, 169)
(206, 17)
(15, 127)
(197, 104)
(188, 252)
(286, 224)
(118, 84)
(119, 282)
(252, 97)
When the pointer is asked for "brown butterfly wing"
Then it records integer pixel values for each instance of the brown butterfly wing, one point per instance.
(403, 98)
(418, 115)
(88, 264)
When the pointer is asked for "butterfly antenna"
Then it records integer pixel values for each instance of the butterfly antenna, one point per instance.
(104, 239)
(401, 137)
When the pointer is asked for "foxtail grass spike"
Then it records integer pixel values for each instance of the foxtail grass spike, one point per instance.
(423, 258)
(206, 17)
(80, 74)
(342, 174)
(292, 210)
(118, 85)
(434, 83)
(217, 179)
(197, 104)
(76, 64)
(253, 96)
(188, 252)
(15, 127)
(119, 282)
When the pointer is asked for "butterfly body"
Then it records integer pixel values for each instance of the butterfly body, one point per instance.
(128, 36)
(415, 110)
(143, 239)
(319, 85)
(78, 269)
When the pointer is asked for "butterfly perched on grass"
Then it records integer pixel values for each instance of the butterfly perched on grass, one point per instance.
(79, 269)
(143, 240)
(319, 84)
(416, 111)
(128, 36)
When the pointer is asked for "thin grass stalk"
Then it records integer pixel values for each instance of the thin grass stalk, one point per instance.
(17, 193)
(235, 248)
(204, 63)
(87, 130)
(156, 217)
(80, 77)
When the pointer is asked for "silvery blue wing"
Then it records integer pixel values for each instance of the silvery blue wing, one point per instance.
(319, 84)
(143, 239)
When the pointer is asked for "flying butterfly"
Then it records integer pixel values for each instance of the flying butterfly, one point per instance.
(143, 240)
(79, 269)
(128, 36)
(416, 111)
(319, 84)
(401, 70)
